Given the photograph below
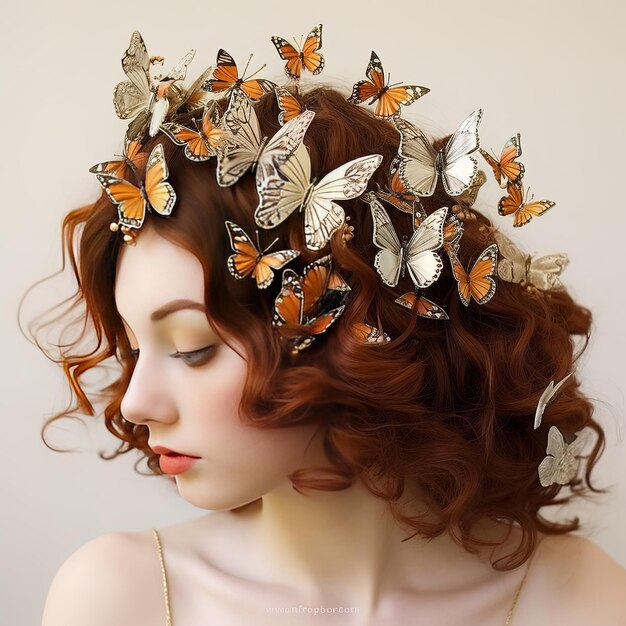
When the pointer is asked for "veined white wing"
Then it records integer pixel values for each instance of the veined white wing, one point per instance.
(132, 95)
(546, 397)
(458, 166)
(388, 261)
(290, 188)
(246, 148)
(423, 263)
(418, 157)
(421, 164)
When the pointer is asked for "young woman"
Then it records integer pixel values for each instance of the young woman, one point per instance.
(365, 461)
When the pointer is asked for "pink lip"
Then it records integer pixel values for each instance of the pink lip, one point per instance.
(175, 463)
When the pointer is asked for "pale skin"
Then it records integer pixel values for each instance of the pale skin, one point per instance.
(284, 549)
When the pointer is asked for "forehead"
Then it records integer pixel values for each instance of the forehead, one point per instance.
(153, 272)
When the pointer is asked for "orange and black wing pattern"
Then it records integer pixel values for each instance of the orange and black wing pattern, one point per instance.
(369, 334)
(132, 160)
(225, 78)
(387, 98)
(203, 142)
(479, 283)
(507, 170)
(248, 261)
(308, 57)
(524, 211)
(288, 104)
(425, 307)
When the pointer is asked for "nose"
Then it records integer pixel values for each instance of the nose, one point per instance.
(147, 398)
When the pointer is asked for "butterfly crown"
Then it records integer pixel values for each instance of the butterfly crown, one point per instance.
(224, 126)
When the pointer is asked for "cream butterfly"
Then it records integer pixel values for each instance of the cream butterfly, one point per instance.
(246, 148)
(421, 165)
(291, 188)
(417, 255)
(560, 465)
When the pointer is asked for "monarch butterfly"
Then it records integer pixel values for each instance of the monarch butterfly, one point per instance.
(225, 79)
(397, 195)
(388, 98)
(200, 144)
(248, 260)
(424, 306)
(421, 165)
(306, 57)
(290, 188)
(133, 158)
(307, 306)
(507, 169)
(479, 283)
(288, 104)
(154, 193)
(517, 202)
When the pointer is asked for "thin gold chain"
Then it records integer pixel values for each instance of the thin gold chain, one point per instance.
(168, 614)
(509, 617)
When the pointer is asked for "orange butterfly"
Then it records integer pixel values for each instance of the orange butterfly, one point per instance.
(425, 307)
(397, 194)
(507, 170)
(387, 97)
(200, 144)
(479, 283)
(307, 306)
(225, 79)
(288, 104)
(306, 57)
(132, 159)
(248, 260)
(154, 193)
(515, 202)
(369, 334)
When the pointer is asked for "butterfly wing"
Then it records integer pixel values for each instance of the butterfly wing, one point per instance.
(511, 170)
(479, 283)
(368, 334)
(425, 307)
(293, 67)
(546, 397)
(245, 259)
(452, 233)
(512, 265)
(196, 97)
(161, 195)
(312, 59)
(282, 145)
(282, 192)
(458, 165)
(372, 88)
(526, 212)
(132, 95)
(494, 164)
(417, 166)
(242, 144)
(423, 263)
(560, 465)
(288, 306)
(322, 217)
(388, 261)
(225, 74)
(130, 202)
(288, 104)
(543, 272)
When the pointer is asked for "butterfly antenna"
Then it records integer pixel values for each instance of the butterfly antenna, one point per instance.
(245, 69)
(398, 83)
(272, 244)
(255, 73)
(195, 123)
(388, 77)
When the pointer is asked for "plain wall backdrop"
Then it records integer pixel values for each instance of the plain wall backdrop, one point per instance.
(551, 70)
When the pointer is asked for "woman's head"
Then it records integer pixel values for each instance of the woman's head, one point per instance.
(446, 406)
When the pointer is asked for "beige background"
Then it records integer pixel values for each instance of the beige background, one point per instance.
(552, 70)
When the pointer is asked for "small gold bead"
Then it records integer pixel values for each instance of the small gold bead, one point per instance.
(114, 227)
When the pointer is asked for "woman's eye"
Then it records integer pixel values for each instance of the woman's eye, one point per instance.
(197, 357)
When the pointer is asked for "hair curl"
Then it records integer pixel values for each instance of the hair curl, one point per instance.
(446, 406)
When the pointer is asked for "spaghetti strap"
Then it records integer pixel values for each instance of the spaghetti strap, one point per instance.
(166, 595)
(509, 617)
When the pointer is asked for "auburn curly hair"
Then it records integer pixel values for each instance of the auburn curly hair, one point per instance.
(445, 406)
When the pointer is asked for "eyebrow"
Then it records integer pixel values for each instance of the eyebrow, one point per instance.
(176, 305)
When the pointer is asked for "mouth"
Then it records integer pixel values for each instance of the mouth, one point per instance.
(167, 452)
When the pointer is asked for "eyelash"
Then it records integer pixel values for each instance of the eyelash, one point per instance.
(189, 358)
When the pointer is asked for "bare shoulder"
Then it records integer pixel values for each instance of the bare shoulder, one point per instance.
(112, 579)
(574, 581)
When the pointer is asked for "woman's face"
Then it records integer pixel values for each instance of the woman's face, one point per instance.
(187, 383)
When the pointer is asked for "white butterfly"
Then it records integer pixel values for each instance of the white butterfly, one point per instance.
(517, 267)
(247, 148)
(546, 397)
(560, 465)
(291, 188)
(417, 254)
(421, 164)
(143, 98)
